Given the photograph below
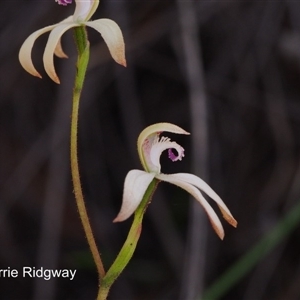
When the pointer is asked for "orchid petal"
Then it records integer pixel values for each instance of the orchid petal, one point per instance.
(202, 185)
(215, 221)
(84, 10)
(113, 38)
(59, 52)
(135, 186)
(53, 40)
(26, 49)
(93, 9)
(148, 136)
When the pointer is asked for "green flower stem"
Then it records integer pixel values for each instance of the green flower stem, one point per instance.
(129, 246)
(82, 62)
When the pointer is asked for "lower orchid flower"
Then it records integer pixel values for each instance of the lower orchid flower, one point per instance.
(150, 148)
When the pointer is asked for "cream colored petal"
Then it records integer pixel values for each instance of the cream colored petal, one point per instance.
(151, 130)
(58, 49)
(93, 9)
(26, 49)
(113, 38)
(84, 10)
(53, 40)
(59, 52)
(215, 222)
(202, 185)
(135, 186)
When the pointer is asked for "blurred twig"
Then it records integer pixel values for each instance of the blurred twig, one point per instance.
(194, 262)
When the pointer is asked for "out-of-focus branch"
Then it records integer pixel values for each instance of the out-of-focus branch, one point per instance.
(194, 262)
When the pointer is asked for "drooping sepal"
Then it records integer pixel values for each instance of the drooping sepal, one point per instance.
(202, 185)
(113, 38)
(135, 186)
(214, 220)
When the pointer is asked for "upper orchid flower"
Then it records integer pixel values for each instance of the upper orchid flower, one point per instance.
(150, 148)
(84, 10)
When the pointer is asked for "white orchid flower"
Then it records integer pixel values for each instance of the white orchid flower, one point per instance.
(84, 10)
(150, 148)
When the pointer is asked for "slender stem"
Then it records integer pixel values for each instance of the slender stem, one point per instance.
(129, 246)
(83, 58)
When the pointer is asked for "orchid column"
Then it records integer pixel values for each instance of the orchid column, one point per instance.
(113, 37)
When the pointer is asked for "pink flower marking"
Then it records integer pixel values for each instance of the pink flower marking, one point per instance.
(64, 2)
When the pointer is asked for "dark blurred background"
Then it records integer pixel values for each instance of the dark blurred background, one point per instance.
(226, 71)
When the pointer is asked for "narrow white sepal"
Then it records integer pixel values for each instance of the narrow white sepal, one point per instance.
(202, 185)
(215, 221)
(135, 186)
(53, 40)
(112, 36)
(59, 52)
(26, 50)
